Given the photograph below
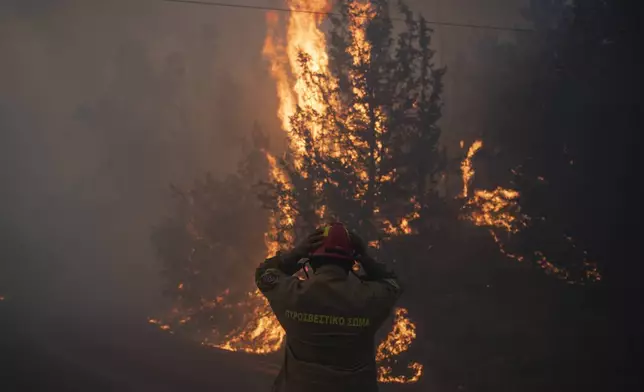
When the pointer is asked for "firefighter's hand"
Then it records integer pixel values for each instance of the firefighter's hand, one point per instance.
(359, 245)
(307, 245)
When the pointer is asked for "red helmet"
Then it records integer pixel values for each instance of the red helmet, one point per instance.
(337, 243)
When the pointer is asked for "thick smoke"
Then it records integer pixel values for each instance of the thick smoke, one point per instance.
(102, 106)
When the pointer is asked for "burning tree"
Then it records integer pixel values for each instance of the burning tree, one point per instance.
(360, 122)
(363, 138)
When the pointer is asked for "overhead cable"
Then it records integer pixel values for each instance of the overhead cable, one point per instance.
(304, 11)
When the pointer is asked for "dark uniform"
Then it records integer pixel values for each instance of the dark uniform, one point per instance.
(330, 321)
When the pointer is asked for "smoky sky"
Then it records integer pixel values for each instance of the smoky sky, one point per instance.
(103, 104)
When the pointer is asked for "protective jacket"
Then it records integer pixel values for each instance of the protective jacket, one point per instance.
(330, 321)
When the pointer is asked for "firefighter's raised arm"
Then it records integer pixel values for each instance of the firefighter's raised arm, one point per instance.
(274, 271)
(382, 281)
(375, 270)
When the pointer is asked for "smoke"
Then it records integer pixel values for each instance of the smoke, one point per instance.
(102, 106)
(459, 49)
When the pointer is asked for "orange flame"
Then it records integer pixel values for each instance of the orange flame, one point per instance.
(303, 37)
(499, 210)
(275, 51)
(466, 166)
(397, 342)
(262, 334)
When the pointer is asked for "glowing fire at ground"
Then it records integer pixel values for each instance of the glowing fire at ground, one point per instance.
(262, 334)
(259, 333)
(398, 341)
(499, 211)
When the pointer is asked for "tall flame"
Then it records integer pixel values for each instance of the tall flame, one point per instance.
(304, 37)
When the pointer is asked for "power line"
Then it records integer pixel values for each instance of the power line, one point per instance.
(302, 11)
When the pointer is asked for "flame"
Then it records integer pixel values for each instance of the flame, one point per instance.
(304, 37)
(402, 227)
(161, 324)
(259, 331)
(274, 51)
(466, 166)
(499, 243)
(286, 221)
(262, 334)
(397, 342)
(499, 211)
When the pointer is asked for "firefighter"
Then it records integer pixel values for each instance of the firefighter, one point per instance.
(330, 318)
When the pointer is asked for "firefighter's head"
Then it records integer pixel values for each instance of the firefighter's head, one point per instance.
(336, 248)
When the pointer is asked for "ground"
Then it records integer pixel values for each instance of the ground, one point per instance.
(83, 353)
(86, 355)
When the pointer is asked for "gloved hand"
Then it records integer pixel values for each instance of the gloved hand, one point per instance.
(373, 269)
(304, 247)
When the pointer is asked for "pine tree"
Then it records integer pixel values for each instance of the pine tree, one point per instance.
(369, 154)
